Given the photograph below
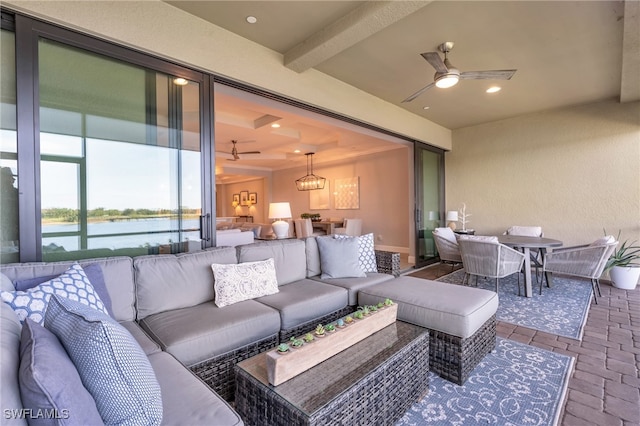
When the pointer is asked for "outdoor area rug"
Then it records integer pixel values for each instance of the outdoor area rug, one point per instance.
(515, 385)
(561, 309)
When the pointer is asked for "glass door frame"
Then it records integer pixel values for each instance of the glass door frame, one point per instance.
(28, 31)
(418, 149)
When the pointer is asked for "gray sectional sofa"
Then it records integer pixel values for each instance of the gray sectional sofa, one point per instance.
(167, 302)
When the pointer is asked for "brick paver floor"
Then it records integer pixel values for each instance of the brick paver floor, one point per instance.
(604, 388)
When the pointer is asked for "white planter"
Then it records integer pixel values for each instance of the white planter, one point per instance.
(624, 277)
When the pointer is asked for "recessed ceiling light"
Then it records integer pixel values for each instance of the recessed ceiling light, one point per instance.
(494, 89)
(426, 107)
(297, 151)
(275, 125)
(180, 81)
(252, 19)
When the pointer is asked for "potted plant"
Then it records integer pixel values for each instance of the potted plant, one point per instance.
(340, 323)
(624, 265)
(348, 320)
(358, 315)
(308, 338)
(296, 343)
(320, 330)
(283, 348)
(330, 328)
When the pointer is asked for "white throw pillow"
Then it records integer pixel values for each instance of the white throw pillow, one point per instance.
(366, 251)
(234, 283)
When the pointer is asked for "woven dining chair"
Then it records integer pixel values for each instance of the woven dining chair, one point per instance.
(447, 246)
(486, 257)
(585, 261)
(536, 254)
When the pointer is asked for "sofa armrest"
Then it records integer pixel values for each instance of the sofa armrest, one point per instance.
(388, 262)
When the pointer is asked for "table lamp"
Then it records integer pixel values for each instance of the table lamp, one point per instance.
(280, 211)
(452, 218)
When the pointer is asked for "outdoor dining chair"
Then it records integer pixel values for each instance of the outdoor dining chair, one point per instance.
(486, 257)
(447, 246)
(536, 255)
(585, 261)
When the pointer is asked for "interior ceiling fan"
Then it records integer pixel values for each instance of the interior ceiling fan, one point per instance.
(448, 75)
(236, 155)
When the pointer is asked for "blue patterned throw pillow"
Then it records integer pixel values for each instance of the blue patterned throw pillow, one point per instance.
(111, 364)
(366, 252)
(72, 284)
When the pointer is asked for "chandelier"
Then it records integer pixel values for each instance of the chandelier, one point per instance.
(310, 181)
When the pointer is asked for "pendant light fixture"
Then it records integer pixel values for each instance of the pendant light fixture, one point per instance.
(310, 181)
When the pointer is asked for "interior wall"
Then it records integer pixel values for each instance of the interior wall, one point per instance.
(572, 171)
(384, 194)
(259, 211)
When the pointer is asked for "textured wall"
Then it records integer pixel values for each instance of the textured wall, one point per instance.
(572, 171)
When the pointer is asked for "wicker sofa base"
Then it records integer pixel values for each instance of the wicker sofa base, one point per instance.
(219, 372)
(308, 326)
(453, 358)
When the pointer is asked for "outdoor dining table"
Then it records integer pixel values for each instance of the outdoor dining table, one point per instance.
(525, 244)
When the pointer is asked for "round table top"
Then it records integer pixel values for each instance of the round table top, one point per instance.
(531, 242)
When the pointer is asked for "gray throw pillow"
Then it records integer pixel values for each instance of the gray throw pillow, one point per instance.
(111, 364)
(366, 251)
(49, 382)
(339, 258)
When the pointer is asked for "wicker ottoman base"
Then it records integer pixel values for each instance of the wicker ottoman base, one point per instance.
(454, 358)
(219, 372)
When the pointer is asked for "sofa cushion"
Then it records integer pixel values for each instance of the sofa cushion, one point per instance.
(111, 364)
(289, 257)
(203, 331)
(313, 257)
(354, 285)
(49, 380)
(166, 282)
(94, 274)
(339, 258)
(187, 400)
(73, 284)
(366, 252)
(305, 300)
(243, 281)
(449, 308)
(117, 273)
(5, 283)
(148, 345)
(10, 330)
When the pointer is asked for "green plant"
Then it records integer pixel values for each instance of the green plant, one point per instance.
(388, 302)
(348, 319)
(340, 322)
(373, 308)
(330, 328)
(309, 338)
(320, 330)
(283, 347)
(628, 254)
(380, 305)
(364, 310)
(296, 343)
(358, 315)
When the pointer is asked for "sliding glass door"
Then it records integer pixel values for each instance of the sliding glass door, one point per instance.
(429, 184)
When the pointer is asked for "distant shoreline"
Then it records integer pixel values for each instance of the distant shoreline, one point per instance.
(59, 221)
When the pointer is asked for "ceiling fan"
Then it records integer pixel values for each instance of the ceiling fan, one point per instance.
(448, 75)
(236, 155)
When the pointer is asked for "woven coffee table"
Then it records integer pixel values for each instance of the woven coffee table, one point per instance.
(374, 381)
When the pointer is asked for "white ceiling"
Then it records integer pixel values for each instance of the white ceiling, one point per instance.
(566, 53)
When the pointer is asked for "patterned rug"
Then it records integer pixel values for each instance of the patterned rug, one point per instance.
(561, 309)
(515, 385)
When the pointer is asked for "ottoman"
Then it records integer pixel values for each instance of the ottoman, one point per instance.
(461, 320)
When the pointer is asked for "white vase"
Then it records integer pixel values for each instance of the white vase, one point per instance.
(624, 277)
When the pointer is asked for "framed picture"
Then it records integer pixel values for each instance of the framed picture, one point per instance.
(347, 193)
(253, 197)
(236, 199)
(244, 197)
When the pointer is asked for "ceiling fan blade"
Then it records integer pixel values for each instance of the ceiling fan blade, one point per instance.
(419, 92)
(488, 75)
(249, 152)
(436, 61)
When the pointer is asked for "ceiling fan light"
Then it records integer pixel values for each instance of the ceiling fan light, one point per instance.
(447, 80)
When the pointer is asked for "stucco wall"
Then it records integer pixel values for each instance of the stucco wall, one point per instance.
(572, 171)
